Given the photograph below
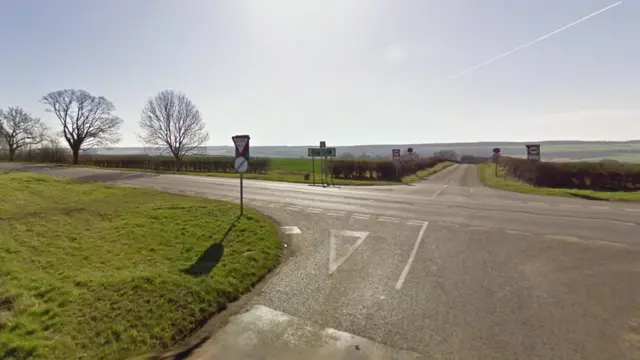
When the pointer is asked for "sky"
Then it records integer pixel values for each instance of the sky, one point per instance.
(294, 72)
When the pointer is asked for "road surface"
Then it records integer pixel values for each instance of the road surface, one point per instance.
(444, 269)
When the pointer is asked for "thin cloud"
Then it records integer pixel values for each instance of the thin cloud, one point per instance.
(535, 41)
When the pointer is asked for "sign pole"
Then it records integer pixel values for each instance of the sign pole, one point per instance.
(321, 172)
(313, 169)
(241, 162)
(241, 194)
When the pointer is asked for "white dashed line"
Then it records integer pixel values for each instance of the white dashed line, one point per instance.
(416, 222)
(569, 206)
(388, 219)
(313, 210)
(518, 232)
(599, 207)
(336, 213)
(574, 239)
(294, 208)
(259, 202)
(275, 205)
(538, 204)
(512, 201)
(632, 210)
(478, 228)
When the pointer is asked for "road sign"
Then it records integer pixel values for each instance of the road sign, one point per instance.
(395, 153)
(496, 151)
(241, 164)
(242, 145)
(533, 152)
(323, 144)
(318, 152)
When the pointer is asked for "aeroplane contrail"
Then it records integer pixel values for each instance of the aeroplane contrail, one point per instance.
(534, 41)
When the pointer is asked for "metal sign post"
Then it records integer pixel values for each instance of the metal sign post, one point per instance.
(496, 158)
(241, 163)
(321, 153)
(395, 155)
(533, 155)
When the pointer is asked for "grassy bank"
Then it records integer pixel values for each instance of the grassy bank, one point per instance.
(489, 178)
(102, 272)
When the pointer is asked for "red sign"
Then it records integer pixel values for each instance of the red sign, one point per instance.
(242, 145)
(533, 152)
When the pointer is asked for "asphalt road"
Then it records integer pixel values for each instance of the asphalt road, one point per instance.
(444, 269)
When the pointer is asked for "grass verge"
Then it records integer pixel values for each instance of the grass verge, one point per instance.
(422, 174)
(489, 179)
(103, 272)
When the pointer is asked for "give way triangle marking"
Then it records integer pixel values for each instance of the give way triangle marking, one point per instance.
(334, 237)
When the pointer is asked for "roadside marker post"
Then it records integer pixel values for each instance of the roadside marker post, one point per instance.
(241, 163)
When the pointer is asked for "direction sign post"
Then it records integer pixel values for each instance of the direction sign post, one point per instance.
(241, 163)
(325, 152)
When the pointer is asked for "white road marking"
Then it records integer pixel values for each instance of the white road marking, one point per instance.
(388, 219)
(569, 206)
(632, 210)
(295, 208)
(583, 241)
(405, 271)
(538, 204)
(518, 232)
(415, 222)
(259, 202)
(275, 205)
(478, 228)
(333, 262)
(599, 207)
(313, 210)
(440, 191)
(512, 201)
(290, 230)
(362, 215)
(336, 213)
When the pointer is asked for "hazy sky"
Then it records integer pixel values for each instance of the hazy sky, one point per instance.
(293, 72)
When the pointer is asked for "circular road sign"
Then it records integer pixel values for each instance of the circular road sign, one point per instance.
(533, 150)
(496, 150)
(241, 164)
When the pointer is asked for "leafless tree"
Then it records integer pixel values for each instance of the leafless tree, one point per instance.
(170, 120)
(87, 121)
(19, 130)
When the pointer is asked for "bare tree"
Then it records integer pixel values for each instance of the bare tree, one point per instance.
(87, 121)
(170, 120)
(19, 129)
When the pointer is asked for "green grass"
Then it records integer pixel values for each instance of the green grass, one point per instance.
(426, 173)
(100, 272)
(488, 177)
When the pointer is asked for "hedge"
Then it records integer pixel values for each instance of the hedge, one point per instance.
(598, 176)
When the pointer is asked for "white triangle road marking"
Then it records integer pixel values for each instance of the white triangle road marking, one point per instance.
(333, 262)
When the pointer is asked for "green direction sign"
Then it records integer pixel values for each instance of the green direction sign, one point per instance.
(317, 152)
